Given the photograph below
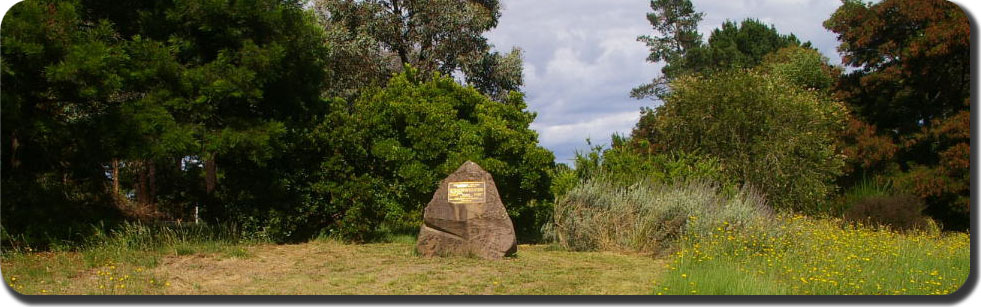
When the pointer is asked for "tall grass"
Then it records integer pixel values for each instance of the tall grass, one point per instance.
(119, 258)
(649, 217)
(142, 236)
(143, 244)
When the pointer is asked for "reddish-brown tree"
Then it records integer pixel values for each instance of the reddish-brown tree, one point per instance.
(910, 92)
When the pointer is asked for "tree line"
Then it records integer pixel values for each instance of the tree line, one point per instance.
(290, 119)
(293, 119)
(886, 139)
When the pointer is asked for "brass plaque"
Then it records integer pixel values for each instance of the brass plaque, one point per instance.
(466, 192)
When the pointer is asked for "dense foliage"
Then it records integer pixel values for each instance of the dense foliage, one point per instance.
(379, 37)
(898, 212)
(765, 132)
(45, 141)
(623, 165)
(755, 99)
(679, 46)
(228, 112)
(166, 98)
(910, 92)
(400, 141)
(742, 45)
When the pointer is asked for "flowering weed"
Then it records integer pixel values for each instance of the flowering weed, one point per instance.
(802, 255)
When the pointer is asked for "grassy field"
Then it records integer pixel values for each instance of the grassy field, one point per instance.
(802, 255)
(328, 267)
(794, 255)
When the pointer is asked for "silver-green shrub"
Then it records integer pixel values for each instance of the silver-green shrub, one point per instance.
(650, 217)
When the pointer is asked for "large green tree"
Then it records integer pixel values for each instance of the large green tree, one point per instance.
(398, 142)
(768, 127)
(59, 101)
(742, 45)
(911, 92)
(677, 43)
(444, 36)
(732, 47)
(251, 79)
(179, 93)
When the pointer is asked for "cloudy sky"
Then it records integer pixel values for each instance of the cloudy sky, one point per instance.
(582, 57)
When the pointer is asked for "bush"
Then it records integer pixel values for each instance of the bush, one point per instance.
(648, 217)
(803, 66)
(763, 129)
(866, 188)
(900, 212)
(387, 151)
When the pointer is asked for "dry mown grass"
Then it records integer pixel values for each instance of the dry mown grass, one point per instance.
(328, 267)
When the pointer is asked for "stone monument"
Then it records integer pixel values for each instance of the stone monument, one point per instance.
(466, 217)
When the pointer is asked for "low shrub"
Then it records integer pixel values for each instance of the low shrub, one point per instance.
(866, 188)
(900, 212)
(43, 212)
(874, 201)
(649, 217)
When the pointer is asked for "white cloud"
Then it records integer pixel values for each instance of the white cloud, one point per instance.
(565, 64)
(566, 139)
(600, 127)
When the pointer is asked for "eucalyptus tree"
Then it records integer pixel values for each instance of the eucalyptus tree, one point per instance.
(445, 36)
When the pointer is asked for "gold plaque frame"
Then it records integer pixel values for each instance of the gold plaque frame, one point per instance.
(466, 192)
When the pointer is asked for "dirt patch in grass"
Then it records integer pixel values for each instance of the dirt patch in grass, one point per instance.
(327, 267)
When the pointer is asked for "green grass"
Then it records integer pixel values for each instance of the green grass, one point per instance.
(801, 255)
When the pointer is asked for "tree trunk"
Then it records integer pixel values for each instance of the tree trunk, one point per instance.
(210, 184)
(141, 186)
(401, 49)
(152, 189)
(210, 174)
(115, 178)
(14, 144)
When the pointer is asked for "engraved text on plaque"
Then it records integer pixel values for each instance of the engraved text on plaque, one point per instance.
(466, 192)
